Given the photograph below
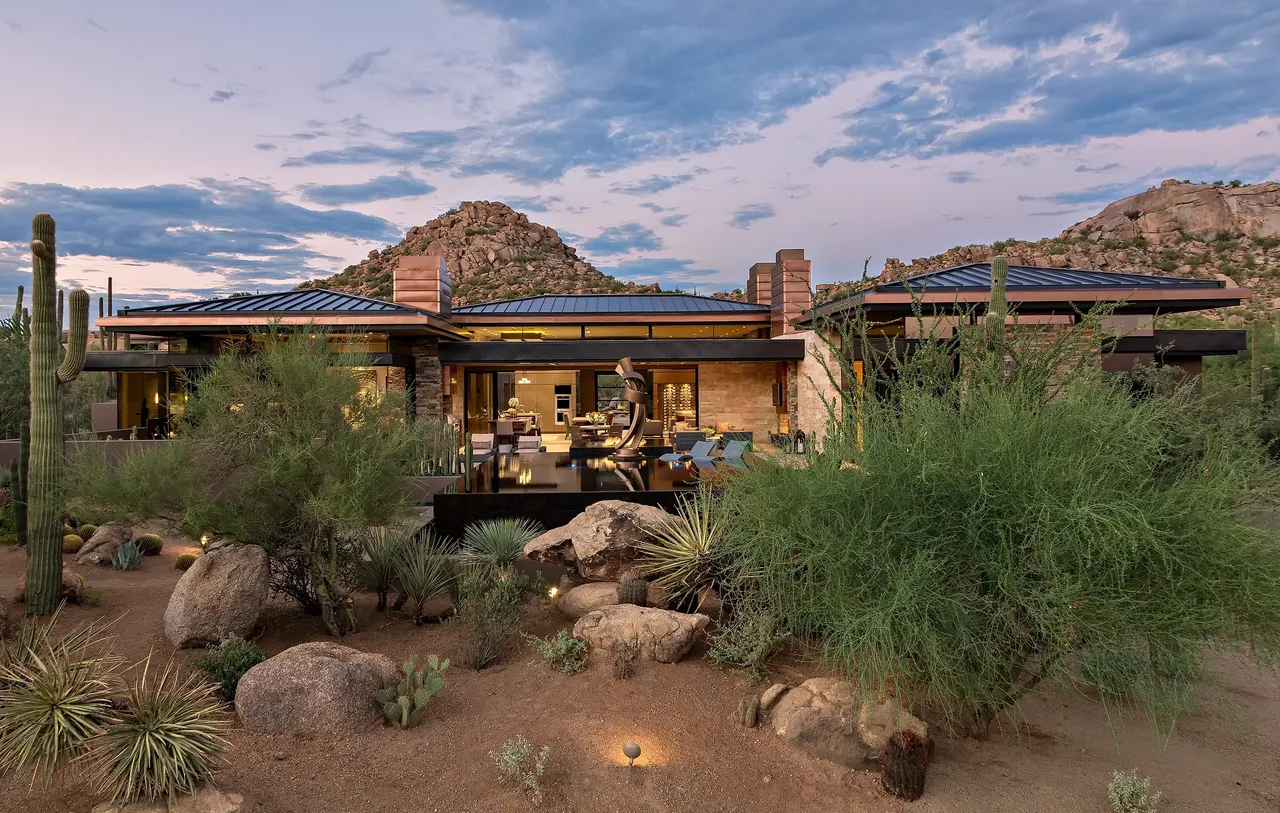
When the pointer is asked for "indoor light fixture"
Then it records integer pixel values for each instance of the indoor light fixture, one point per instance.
(524, 380)
(631, 751)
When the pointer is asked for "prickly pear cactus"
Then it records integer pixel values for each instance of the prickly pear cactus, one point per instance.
(50, 369)
(405, 703)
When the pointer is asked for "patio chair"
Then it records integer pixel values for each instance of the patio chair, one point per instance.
(732, 455)
(505, 430)
(530, 444)
(701, 450)
(653, 429)
(684, 441)
(482, 446)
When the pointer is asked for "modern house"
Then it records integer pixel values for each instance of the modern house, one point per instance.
(708, 362)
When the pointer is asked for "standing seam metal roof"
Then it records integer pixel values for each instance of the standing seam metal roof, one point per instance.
(647, 304)
(978, 276)
(315, 300)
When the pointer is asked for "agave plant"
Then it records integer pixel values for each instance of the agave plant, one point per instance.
(55, 698)
(166, 741)
(424, 572)
(126, 557)
(497, 544)
(684, 553)
(382, 550)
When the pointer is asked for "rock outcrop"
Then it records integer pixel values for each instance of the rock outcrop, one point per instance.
(601, 542)
(659, 635)
(587, 598)
(222, 592)
(97, 549)
(491, 252)
(1174, 229)
(824, 717)
(317, 688)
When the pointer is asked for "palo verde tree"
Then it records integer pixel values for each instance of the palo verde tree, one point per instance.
(279, 447)
(990, 513)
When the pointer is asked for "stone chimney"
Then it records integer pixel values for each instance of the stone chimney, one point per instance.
(790, 296)
(422, 282)
(759, 289)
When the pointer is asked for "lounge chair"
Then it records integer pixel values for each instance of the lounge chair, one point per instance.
(701, 450)
(732, 456)
(529, 444)
(482, 447)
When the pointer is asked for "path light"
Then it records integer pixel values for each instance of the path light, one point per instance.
(553, 592)
(631, 751)
(204, 541)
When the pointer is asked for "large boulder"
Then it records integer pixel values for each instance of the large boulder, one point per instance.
(660, 635)
(600, 542)
(587, 598)
(313, 689)
(824, 717)
(72, 587)
(97, 549)
(222, 592)
(206, 799)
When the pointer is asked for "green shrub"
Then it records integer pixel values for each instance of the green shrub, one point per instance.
(165, 741)
(497, 543)
(967, 538)
(514, 762)
(404, 703)
(225, 662)
(126, 557)
(72, 543)
(562, 651)
(747, 641)
(86, 530)
(382, 551)
(424, 572)
(149, 544)
(185, 560)
(685, 553)
(489, 612)
(1129, 794)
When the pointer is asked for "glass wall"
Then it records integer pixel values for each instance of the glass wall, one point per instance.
(538, 333)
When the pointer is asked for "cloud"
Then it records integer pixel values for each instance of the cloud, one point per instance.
(651, 185)
(241, 228)
(961, 176)
(1103, 168)
(428, 148)
(744, 216)
(384, 187)
(1252, 169)
(12, 25)
(355, 70)
(95, 24)
(222, 95)
(673, 221)
(265, 147)
(661, 269)
(536, 203)
(653, 207)
(623, 239)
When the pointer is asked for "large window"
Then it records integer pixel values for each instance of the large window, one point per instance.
(609, 393)
(617, 331)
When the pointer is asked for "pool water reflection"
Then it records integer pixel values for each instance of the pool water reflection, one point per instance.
(563, 472)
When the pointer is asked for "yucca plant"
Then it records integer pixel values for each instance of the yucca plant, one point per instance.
(424, 572)
(166, 742)
(684, 553)
(126, 557)
(497, 544)
(55, 698)
(383, 548)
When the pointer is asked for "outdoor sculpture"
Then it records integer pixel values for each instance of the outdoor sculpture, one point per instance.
(629, 446)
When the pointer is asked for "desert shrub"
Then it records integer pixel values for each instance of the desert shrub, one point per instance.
(562, 651)
(514, 762)
(185, 560)
(685, 553)
(1129, 794)
(383, 548)
(149, 544)
(72, 543)
(126, 556)
(86, 530)
(965, 538)
(751, 636)
(225, 662)
(55, 696)
(423, 572)
(489, 612)
(404, 704)
(497, 543)
(164, 741)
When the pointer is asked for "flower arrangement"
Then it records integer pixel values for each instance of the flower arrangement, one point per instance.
(596, 418)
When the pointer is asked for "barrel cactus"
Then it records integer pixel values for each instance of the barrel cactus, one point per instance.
(633, 591)
(51, 369)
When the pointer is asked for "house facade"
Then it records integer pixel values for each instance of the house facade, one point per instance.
(748, 366)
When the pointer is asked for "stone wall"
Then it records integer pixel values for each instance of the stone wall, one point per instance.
(814, 388)
(739, 393)
(428, 391)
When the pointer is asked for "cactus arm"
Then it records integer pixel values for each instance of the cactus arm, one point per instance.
(77, 338)
(60, 312)
(18, 310)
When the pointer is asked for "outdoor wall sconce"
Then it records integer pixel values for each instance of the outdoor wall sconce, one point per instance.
(631, 751)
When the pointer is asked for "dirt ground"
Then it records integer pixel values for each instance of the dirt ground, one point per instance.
(1225, 757)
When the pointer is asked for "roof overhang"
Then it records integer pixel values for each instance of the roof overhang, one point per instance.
(600, 351)
(158, 361)
(420, 323)
(1174, 344)
(484, 319)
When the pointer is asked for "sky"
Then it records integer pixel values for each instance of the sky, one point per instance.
(194, 150)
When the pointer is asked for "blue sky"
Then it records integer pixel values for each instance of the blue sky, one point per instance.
(249, 146)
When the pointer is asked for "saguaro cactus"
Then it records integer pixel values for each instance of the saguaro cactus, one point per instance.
(44, 480)
(998, 307)
(18, 482)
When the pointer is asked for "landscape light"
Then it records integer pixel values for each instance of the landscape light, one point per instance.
(204, 541)
(553, 592)
(631, 751)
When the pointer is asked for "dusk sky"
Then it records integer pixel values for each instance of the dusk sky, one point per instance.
(193, 150)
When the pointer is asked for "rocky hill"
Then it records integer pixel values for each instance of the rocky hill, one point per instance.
(491, 252)
(1177, 229)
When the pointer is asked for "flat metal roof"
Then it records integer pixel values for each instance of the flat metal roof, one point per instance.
(614, 304)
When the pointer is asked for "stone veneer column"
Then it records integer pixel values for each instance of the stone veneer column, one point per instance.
(428, 385)
(790, 298)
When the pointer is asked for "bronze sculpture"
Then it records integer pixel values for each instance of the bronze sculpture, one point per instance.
(629, 446)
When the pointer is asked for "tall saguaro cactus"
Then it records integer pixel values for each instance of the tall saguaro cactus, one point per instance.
(50, 370)
(19, 470)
